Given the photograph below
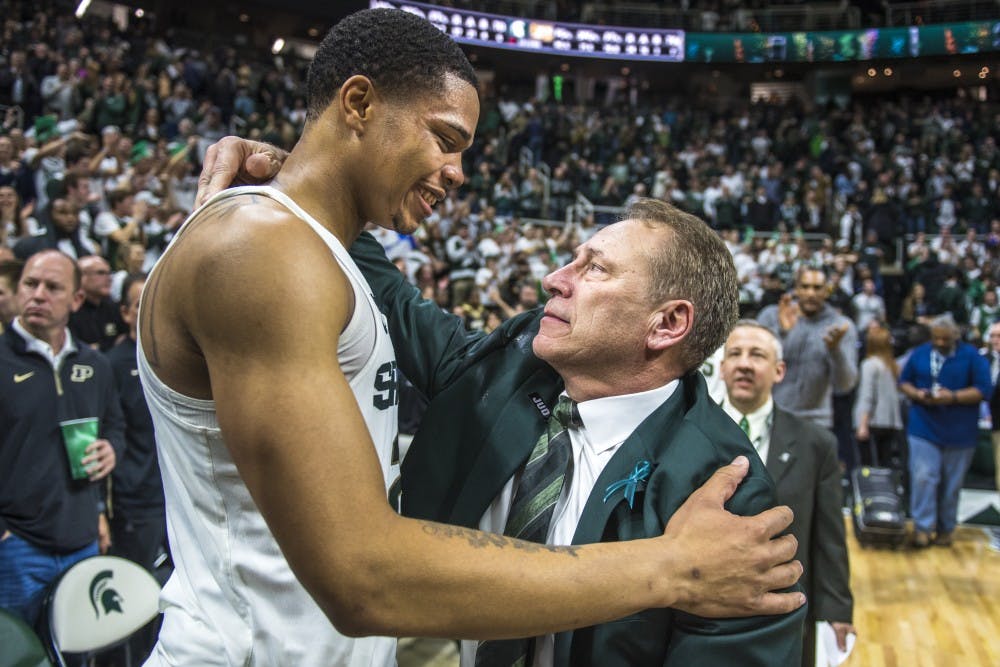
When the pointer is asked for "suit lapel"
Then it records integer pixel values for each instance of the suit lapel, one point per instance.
(781, 452)
(519, 423)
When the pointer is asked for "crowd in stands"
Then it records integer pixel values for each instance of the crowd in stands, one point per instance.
(103, 132)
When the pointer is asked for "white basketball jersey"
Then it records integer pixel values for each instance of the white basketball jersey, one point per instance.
(232, 599)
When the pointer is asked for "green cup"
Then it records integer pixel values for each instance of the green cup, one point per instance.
(77, 435)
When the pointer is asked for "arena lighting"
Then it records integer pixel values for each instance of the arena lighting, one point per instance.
(982, 75)
(139, 13)
(81, 8)
(957, 73)
(887, 71)
(872, 72)
(278, 45)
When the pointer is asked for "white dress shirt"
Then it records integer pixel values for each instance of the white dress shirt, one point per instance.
(760, 424)
(607, 422)
(39, 346)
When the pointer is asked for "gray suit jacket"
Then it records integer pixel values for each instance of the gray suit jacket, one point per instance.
(802, 459)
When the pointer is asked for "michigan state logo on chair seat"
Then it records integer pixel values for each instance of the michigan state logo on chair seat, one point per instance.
(102, 596)
(99, 602)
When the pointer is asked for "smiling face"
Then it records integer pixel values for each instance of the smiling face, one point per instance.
(750, 367)
(598, 318)
(8, 200)
(419, 147)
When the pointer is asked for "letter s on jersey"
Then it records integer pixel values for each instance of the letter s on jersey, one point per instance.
(386, 386)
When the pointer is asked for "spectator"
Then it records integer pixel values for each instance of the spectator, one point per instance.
(950, 297)
(868, 306)
(10, 275)
(820, 349)
(50, 514)
(133, 262)
(14, 172)
(61, 232)
(18, 86)
(983, 316)
(121, 224)
(97, 321)
(915, 306)
(14, 224)
(878, 420)
(945, 380)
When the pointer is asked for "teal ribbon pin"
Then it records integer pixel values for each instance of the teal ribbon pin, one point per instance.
(631, 483)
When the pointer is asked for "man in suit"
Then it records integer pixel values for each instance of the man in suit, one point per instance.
(802, 459)
(629, 322)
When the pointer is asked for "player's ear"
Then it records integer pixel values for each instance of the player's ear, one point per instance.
(355, 99)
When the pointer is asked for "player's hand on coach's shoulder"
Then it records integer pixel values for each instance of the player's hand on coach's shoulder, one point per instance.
(235, 161)
(729, 565)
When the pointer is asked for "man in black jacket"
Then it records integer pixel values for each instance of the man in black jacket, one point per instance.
(51, 389)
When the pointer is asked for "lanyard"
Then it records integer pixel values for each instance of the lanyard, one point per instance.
(937, 361)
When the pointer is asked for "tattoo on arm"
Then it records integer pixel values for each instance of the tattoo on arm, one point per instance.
(479, 540)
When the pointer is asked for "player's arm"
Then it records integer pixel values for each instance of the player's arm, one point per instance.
(268, 335)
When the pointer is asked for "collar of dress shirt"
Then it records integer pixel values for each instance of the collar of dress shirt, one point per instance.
(757, 418)
(609, 421)
(39, 346)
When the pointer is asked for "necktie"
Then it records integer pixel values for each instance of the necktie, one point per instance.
(547, 469)
(745, 425)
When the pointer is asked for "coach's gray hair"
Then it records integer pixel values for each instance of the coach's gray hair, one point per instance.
(693, 264)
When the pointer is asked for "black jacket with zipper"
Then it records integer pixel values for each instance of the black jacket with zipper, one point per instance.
(39, 500)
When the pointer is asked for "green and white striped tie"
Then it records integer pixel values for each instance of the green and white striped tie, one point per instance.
(549, 467)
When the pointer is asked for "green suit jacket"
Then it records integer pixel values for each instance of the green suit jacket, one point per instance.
(489, 398)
